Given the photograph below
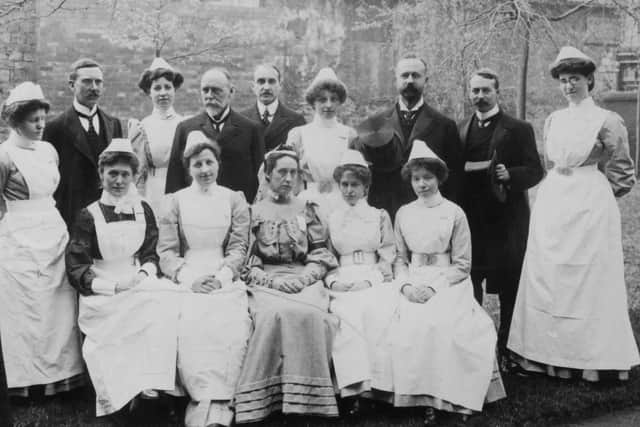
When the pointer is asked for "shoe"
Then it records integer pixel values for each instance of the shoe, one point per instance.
(430, 418)
(149, 394)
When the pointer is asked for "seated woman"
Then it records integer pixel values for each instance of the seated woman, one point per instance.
(128, 315)
(436, 337)
(38, 308)
(362, 237)
(204, 235)
(287, 366)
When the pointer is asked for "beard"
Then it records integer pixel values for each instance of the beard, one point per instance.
(410, 92)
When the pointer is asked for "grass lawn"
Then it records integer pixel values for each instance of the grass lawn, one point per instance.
(530, 402)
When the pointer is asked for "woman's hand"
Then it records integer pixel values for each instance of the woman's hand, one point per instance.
(135, 281)
(288, 285)
(502, 173)
(417, 294)
(341, 286)
(205, 284)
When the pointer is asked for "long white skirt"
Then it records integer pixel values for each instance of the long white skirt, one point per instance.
(131, 341)
(423, 353)
(571, 310)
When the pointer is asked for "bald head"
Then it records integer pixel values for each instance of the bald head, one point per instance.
(216, 90)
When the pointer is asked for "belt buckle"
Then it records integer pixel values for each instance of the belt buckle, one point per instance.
(564, 170)
(425, 260)
(358, 257)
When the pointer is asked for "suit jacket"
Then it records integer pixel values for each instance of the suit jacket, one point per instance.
(241, 153)
(79, 179)
(499, 230)
(388, 190)
(283, 121)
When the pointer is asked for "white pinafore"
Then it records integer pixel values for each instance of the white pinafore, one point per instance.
(131, 337)
(571, 309)
(38, 307)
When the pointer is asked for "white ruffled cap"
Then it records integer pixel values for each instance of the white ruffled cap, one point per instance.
(570, 52)
(194, 138)
(25, 91)
(119, 145)
(160, 63)
(420, 150)
(353, 157)
(325, 74)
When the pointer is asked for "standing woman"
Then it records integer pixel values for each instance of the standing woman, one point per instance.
(38, 308)
(571, 316)
(204, 235)
(321, 143)
(128, 315)
(287, 367)
(153, 136)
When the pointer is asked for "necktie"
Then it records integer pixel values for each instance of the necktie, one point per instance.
(484, 123)
(91, 130)
(265, 117)
(408, 116)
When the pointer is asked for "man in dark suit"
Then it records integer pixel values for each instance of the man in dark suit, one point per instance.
(79, 135)
(239, 138)
(501, 163)
(275, 117)
(386, 138)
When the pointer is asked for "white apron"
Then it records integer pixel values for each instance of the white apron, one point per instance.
(214, 328)
(38, 307)
(444, 348)
(350, 352)
(571, 309)
(130, 342)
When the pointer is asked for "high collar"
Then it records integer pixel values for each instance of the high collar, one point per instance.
(123, 204)
(403, 106)
(164, 115)
(223, 116)
(20, 141)
(487, 115)
(83, 109)
(327, 123)
(271, 108)
(203, 191)
(585, 103)
(358, 209)
(432, 201)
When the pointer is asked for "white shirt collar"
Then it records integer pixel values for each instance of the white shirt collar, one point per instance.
(271, 108)
(83, 109)
(223, 116)
(20, 141)
(487, 115)
(403, 106)
(125, 204)
(204, 191)
(164, 115)
(433, 201)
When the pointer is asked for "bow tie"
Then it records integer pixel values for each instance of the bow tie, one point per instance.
(484, 123)
(87, 116)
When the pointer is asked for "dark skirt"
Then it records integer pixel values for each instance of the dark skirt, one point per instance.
(5, 416)
(287, 367)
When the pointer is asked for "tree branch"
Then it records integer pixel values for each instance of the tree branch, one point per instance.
(571, 11)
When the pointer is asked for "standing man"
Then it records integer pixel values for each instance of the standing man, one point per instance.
(501, 163)
(385, 140)
(239, 138)
(275, 117)
(79, 135)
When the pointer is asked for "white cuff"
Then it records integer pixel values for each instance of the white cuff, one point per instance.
(103, 287)
(149, 268)
(225, 275)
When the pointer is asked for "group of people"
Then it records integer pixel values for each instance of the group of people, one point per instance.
(356, 272)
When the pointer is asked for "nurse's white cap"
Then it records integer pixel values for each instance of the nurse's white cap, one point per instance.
(571, 54)
(420, 150)
(353, 157)
(25, 91)
(158, 63)
(119, 145)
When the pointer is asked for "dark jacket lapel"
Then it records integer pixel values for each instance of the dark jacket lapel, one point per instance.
(78, 134)
(395, 123)
(464, 130)
(230, 128)
(499, 135)
(205, 124)
(423, 122)
(280, 121)
(108, 125)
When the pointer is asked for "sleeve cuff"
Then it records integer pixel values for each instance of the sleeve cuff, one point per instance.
(186, 277)
(103, 287)
(225, 275)
(149, 268)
